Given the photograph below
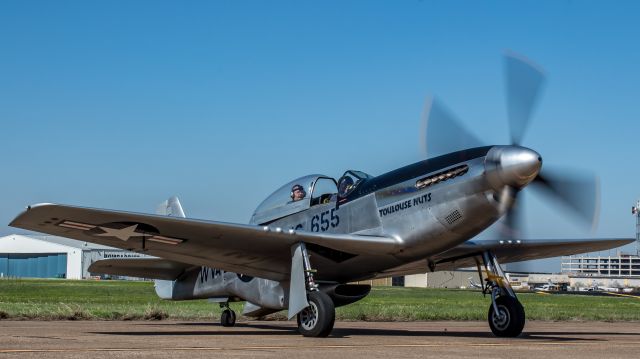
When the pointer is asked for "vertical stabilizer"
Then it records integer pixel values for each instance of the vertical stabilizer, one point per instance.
(170, 207)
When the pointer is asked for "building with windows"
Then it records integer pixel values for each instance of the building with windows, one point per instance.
(619, 265)
(588, 271)
(52, 257)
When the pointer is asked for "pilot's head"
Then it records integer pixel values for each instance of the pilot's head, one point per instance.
(297, 192)
(346, 183)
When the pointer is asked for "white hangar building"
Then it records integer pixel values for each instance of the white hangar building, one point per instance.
(52, 257)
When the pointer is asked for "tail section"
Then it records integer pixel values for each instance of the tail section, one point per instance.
(164, 288)
(170, 207)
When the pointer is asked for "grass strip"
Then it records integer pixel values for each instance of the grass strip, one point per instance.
(56, 299)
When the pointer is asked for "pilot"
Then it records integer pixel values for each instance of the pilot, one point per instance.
(297, 193)
(345, 185)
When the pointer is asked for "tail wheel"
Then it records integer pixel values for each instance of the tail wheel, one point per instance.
(318, 318)
(228, 318)
(510, 318)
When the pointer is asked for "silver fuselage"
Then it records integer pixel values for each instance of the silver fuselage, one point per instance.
(426, 219)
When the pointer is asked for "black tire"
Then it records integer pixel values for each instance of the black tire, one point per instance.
(318, 318)
(512, 321)
(228, 318)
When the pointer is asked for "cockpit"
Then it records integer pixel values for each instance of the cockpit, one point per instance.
(305, 192)
(349, 181)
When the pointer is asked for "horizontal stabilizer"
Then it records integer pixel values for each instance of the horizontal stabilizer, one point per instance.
(256, 311)
(151, 268)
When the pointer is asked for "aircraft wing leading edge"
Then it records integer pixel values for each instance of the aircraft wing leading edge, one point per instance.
(259, 251)
(464, 255)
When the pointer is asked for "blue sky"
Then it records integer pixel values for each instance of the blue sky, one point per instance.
(122, 104)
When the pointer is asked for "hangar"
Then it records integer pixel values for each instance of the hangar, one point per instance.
(52, 257)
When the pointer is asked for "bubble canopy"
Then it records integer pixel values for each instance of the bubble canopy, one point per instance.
(317, 189)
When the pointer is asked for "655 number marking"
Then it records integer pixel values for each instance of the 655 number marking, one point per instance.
(325, 220)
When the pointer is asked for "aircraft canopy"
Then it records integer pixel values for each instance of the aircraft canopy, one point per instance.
(317, 189)
(349, 181)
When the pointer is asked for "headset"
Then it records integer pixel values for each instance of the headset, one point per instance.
(295, 187)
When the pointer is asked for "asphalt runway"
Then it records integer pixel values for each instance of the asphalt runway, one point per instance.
(170, 339)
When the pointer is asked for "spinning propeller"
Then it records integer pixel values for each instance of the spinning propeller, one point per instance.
(442, 133)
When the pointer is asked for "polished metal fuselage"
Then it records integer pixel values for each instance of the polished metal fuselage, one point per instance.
(426, 220)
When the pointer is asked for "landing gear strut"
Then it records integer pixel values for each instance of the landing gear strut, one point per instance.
(318, 318)
(506, 315)
(228, 317)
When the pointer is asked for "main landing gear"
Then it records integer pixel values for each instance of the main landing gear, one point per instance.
(228, 316)
(318, 318)
(506, 315)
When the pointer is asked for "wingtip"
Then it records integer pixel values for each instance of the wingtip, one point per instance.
(44, 204)
(16, 221)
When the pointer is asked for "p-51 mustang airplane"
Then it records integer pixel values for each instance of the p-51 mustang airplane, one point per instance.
(314, 235)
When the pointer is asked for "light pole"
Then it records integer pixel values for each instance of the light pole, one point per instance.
(636, 212)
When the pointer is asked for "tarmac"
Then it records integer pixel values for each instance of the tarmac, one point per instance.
(349, 340)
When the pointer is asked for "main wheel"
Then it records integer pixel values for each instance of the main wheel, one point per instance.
(228, 318)
(317, 319)
(509, 320)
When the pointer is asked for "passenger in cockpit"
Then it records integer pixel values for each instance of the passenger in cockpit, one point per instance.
(345, 185)
(297, 193)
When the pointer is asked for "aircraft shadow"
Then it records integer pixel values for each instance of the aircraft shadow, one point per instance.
(267, 329)
(585, 333)
(354, 332)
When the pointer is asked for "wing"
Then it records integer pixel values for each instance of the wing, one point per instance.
(152, 268)
(464, 255)
(259, 251)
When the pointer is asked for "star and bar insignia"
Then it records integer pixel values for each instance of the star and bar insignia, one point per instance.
(121, 231)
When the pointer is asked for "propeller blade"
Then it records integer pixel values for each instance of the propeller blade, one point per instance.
(511, 225)
(524, 82)
(442, 133)
(581, 194)
(506, 198)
